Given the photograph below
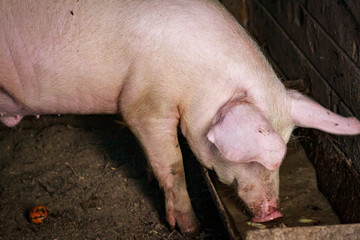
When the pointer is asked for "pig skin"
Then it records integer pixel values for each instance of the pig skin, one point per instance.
(160, 64)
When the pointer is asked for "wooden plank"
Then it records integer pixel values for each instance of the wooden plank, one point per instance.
(223, 212)
(337, 180)
(324, 53)
(351, 231)
(341, 20)
(284, 53)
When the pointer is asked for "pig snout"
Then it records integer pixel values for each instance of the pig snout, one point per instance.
(265, 211)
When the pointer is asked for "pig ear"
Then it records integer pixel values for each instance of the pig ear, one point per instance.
(309, 114)
(242, 134)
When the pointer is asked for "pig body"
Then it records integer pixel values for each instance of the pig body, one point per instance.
(160, 64)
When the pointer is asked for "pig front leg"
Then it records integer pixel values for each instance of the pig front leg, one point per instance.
(158, 138)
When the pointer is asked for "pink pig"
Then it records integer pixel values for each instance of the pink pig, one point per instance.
(161, 64)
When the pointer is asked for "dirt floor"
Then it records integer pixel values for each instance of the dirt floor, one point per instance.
(91, 175)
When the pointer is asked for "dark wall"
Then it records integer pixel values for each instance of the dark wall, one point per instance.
(318, 41)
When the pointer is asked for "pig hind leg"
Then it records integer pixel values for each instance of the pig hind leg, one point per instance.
(158, 138)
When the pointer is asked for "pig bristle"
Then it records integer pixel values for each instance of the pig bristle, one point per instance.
(120, 122)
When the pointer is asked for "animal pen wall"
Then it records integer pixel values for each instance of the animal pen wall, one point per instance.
(317, 43)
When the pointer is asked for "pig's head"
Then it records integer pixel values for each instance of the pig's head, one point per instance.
(252, 150)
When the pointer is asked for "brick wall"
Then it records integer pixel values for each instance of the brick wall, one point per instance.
(317, 41)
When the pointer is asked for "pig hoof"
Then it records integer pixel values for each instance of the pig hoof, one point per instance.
(187, 223)
(189, 227)
(191, 231)
(268, 218)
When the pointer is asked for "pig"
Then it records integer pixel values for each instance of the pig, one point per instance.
(161, 64)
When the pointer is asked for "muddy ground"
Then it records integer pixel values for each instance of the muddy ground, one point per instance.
(91, 174)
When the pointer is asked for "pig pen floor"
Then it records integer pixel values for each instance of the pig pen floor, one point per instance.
(91, 175)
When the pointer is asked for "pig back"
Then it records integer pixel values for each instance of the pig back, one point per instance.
(83, 52)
